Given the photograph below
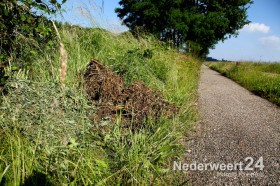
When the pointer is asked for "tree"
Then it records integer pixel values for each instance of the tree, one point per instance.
(26, 18)
(196, 24)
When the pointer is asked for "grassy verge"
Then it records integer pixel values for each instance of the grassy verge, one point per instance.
(47, 137)
(263, 79)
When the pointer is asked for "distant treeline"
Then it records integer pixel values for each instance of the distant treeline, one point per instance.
(213, 59)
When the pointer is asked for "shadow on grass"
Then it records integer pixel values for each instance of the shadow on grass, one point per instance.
(3, 182)
(36, 179)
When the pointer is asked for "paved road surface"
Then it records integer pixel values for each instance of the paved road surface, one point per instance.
(234, 124)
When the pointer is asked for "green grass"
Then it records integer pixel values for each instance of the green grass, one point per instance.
(263, 79)
(47, 137)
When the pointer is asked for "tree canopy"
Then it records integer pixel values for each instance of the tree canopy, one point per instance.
(196, 25)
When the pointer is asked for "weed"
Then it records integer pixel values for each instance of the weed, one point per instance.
(48, 138)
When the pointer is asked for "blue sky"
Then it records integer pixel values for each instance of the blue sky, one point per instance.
(258, 41)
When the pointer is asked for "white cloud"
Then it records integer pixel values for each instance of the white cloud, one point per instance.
(271, 42)
(256, 27)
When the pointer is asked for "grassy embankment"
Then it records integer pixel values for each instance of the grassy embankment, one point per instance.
(262, 79)
(46, 135)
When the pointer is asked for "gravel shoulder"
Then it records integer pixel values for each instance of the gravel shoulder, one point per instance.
(234, 124)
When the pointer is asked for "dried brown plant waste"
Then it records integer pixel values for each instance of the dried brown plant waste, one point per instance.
(102, 84)
(135, 103)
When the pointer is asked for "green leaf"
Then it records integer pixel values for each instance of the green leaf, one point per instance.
(34, 52)
(53, 1)
(73, 143)
(14, 68)
(58, 6)
(101, 164)
(6, 13)
(23, 17)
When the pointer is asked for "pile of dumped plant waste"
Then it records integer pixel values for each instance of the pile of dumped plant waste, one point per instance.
(134, 104)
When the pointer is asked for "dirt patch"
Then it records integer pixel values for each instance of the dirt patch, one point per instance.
(134, 104)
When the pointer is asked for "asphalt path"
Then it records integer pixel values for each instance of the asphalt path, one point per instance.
(238, 131)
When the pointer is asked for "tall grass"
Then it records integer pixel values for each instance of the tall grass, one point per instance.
(262, 79)
(48, 140)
